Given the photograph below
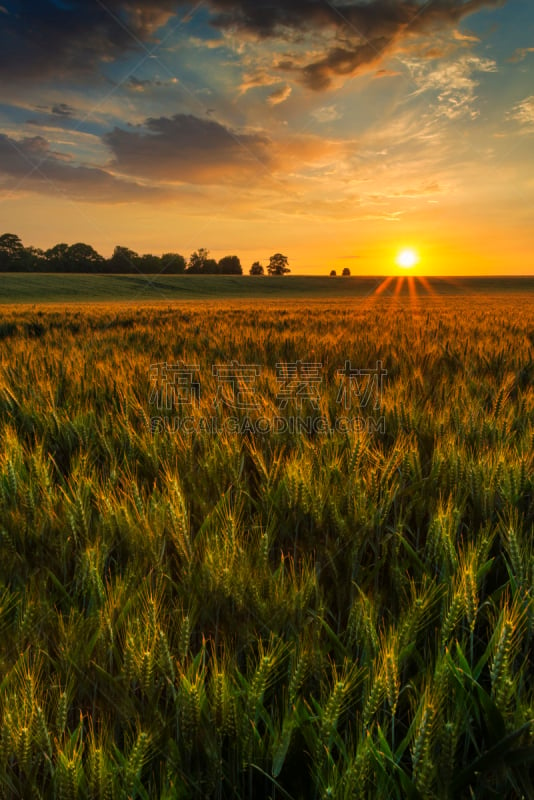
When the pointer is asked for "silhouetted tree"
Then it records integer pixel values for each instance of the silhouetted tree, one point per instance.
(333, 273)
(12, 253)
(200, 263)
(81, 257)
(124, 260)
(346, 272)
(149, 264)
(230, 265)
(35, 259)
(210, 267)
(56, 257)
(278, 265)
(84, 258)
(197, 261)
(172, 264)
(257, 269)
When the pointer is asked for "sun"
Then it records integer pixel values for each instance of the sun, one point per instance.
(407, 258)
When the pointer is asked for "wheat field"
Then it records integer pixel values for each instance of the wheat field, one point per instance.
(283, 614)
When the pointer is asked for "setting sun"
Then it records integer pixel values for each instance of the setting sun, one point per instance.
(407, 258)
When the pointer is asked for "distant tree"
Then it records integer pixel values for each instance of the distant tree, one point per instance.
(197, 261)
(124, 260)
(333, 273)
(346, 272)
(12, 253)
(257, 269)
(149, 264)
(84, 258)
(56, 257)
(172, 264)
(230, 265)
(210, 267)
(278, 265)
(35, 259)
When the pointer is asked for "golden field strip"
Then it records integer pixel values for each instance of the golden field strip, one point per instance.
(268, 614)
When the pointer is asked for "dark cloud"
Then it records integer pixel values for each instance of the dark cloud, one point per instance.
(137, 85)
(341, 61)
(369, 28)
(363, 18)
(43, 39)
(184, 148)
(30, 164)
(141, 85)
(60, 115)
(63, 110)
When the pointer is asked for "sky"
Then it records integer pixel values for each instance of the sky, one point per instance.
(336, 132)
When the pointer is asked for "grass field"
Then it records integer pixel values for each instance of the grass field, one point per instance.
(50, 288)
(266, 613)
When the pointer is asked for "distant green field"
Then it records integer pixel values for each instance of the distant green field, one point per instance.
(54, 288)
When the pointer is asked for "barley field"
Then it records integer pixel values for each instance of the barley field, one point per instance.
(277, 613)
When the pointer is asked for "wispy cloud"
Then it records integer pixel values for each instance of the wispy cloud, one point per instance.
(454, 82)
(326, 114)
(279, 95)
(523, 112)
(520, 54)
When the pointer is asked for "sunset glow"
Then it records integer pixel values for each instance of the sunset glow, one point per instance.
(330, 132)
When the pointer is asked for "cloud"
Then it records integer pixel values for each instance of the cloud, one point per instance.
(370, 29)
(256, 79)
(520, 54)
(34, 166)
(342, 62)
(63, 110)
(45, 39)
(454, 83)
(206, 44)
(460, 36)
(366, 18)
(419, 191)
(141, 84)
(523, 112)
(52, 40)
(386, 73)
(137, 85)
(279, 95)
(326, 114)
(60, 115)
(187, 149)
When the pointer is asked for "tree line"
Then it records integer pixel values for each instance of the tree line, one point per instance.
(81, 257)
